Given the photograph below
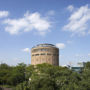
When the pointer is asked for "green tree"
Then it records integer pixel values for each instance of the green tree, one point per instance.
(85, 83)
(5, 72)
(18, 74)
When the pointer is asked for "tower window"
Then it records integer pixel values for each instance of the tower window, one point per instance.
(48, 54)
(36, 54)
(43, 54)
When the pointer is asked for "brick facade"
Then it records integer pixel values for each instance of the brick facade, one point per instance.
(45, 53)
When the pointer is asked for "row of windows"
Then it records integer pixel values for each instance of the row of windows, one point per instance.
(36, 50)
(44, 54)
(43, 49)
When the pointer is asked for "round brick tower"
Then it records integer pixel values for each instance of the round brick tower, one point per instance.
(45, 53)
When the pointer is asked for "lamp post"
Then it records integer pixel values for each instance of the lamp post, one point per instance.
(25, 75)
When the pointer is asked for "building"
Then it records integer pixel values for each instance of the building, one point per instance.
(45, 53)
(80, 66)
(77, 69)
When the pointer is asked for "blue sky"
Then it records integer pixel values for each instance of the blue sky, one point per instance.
(25, 23)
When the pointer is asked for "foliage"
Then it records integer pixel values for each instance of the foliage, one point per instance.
(12, 75)
(44, 77)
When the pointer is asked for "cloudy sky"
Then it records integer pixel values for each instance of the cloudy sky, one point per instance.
(26, 23)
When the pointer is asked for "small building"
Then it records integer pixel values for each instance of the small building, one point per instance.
(77, 69)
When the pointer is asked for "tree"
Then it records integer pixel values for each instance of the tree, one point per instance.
(44, 77)
(5, 72)
(85, 83)
(18, 74)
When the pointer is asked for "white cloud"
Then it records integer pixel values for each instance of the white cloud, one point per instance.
(89, 54)
(60, 45)
(30, 21)
(69, 41)
(79, 21)
(78, 55)
(70, 8)
(51, 12)
(89, 32)
(4, 14)
(26, 50)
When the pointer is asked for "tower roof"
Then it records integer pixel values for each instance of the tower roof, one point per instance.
(44, 45)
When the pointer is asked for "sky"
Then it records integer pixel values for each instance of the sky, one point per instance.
(26, 23)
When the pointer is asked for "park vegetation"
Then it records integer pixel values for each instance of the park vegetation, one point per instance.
(44, 77)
